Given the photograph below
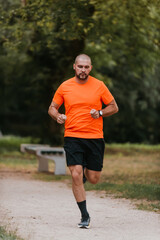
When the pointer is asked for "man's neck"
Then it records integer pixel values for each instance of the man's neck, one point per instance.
(81, 81)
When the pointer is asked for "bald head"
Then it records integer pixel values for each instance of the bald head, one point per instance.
(83, 57)
(82, 67)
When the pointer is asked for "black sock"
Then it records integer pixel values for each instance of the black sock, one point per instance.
(83, 209)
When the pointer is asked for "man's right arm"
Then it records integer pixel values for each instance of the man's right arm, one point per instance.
(53, 112)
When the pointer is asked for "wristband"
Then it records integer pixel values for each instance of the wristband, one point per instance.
(100, 113)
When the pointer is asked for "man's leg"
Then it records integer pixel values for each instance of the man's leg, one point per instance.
(92, 176)
(79, 194)
(77, 183)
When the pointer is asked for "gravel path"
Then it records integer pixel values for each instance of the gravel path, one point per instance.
(47, 211)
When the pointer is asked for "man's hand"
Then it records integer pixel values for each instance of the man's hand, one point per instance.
(94, 114)
(61, 118)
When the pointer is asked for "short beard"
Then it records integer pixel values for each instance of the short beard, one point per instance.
(78, 76)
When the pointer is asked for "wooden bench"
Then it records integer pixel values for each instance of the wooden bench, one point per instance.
(45, 153)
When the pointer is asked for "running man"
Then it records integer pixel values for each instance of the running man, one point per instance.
(83, 96)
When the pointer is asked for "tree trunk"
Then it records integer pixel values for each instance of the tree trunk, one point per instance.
(23, 3)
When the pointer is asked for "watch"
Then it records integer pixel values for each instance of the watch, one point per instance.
(100, 113)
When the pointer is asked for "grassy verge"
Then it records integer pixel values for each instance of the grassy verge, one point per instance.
(130, 171)
(50, 177)
(129, 148)
(4, 235)
(128, 190)
(18, 161)
(12, 143)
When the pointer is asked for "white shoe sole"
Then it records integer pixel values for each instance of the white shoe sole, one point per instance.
(87, 227)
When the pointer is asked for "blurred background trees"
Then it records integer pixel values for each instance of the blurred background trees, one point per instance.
(38, 43)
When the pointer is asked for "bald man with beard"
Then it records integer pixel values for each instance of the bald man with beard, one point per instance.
(83, 96)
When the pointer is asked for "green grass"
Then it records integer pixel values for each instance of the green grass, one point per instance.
(149, 206)
(129, 148)
(50, 177)
(4, 235)
(18, 161)
(128, 190)
(12, 143)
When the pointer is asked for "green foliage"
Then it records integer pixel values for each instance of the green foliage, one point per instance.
(34, 40)
(126, 54)
(38, 43)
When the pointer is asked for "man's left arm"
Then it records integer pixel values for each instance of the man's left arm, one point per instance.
(109, 110)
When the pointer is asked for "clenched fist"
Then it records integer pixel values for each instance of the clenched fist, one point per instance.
(61, 118)
(94, 114)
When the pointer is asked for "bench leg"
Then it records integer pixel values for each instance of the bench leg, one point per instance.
(60, 165)
(42, 164)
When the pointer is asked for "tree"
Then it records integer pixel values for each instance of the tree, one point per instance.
(127, 55)
(23, 2)
(39, 41)
(37, 36)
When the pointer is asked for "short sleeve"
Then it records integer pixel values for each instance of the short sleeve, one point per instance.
(106, 96)
(58, 96)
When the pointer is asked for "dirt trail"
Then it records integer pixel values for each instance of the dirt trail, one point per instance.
(47, 211)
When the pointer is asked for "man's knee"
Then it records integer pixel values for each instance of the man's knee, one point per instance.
(94, 179)
(76, 173)
(92, 176)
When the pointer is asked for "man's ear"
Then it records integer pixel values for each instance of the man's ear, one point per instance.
(74, 67)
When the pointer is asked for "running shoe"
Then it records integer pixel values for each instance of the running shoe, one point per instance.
(85, 223)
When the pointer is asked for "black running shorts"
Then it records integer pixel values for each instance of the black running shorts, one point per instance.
(86, 152)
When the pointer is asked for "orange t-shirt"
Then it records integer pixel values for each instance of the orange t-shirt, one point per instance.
(78, 100)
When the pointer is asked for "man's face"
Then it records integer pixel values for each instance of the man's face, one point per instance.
(82, 68)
